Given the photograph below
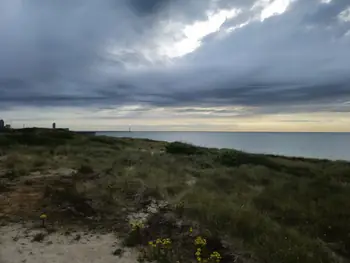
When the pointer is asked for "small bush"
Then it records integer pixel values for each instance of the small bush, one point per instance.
(15, 173)
(103, 140)
(71, 199)
(182, 148)
(3, 186)
(233, 158)
(85, 169)
(39, 237)
(12, 160)
(136, 234)
(39, 163)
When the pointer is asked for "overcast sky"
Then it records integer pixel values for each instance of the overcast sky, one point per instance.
(218, 65)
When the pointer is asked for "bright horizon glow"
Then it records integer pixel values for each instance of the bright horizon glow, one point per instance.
(174, 119)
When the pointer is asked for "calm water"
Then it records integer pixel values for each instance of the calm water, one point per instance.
(334, 146)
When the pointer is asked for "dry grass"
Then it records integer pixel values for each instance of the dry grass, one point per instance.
(262, 208)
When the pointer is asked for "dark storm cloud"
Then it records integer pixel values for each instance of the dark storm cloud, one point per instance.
(51, 51)
(260, 95)
(281, 60)
(149, 7)
(326, 13)
(78, 53)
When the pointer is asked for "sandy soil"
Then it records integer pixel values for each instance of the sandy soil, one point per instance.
(25, 200)
(17, 246)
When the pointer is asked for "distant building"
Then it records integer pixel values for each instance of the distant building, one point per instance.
(2, 124)
(7, 126)
(54, 125)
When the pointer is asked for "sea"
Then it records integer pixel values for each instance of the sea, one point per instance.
(333, 146)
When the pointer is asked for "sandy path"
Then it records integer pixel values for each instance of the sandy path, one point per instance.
(17, 246)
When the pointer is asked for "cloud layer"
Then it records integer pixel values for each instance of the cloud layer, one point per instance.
(263, 56)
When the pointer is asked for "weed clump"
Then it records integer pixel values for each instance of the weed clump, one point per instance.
(85, 169)
(16, 172)
(3, 186)
(39, 237)
(160, 250)
(182, 148)
(135, 236)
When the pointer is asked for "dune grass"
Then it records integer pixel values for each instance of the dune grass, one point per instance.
(264, 208)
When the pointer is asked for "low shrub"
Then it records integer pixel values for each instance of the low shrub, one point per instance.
(85, 169)
(182, 148)
(233, 158)
(16, 172)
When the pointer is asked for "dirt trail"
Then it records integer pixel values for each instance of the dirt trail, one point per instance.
(23, 201)
(17, 246)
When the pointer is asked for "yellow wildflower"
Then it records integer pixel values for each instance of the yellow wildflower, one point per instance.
(43, 216)
(137, 224)
(215, 256)
(200, 241)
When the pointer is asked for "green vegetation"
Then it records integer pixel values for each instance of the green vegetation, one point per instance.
(251, 207)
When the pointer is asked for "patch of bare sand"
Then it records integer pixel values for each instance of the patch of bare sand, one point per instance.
(17, 246)
(60, 172)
